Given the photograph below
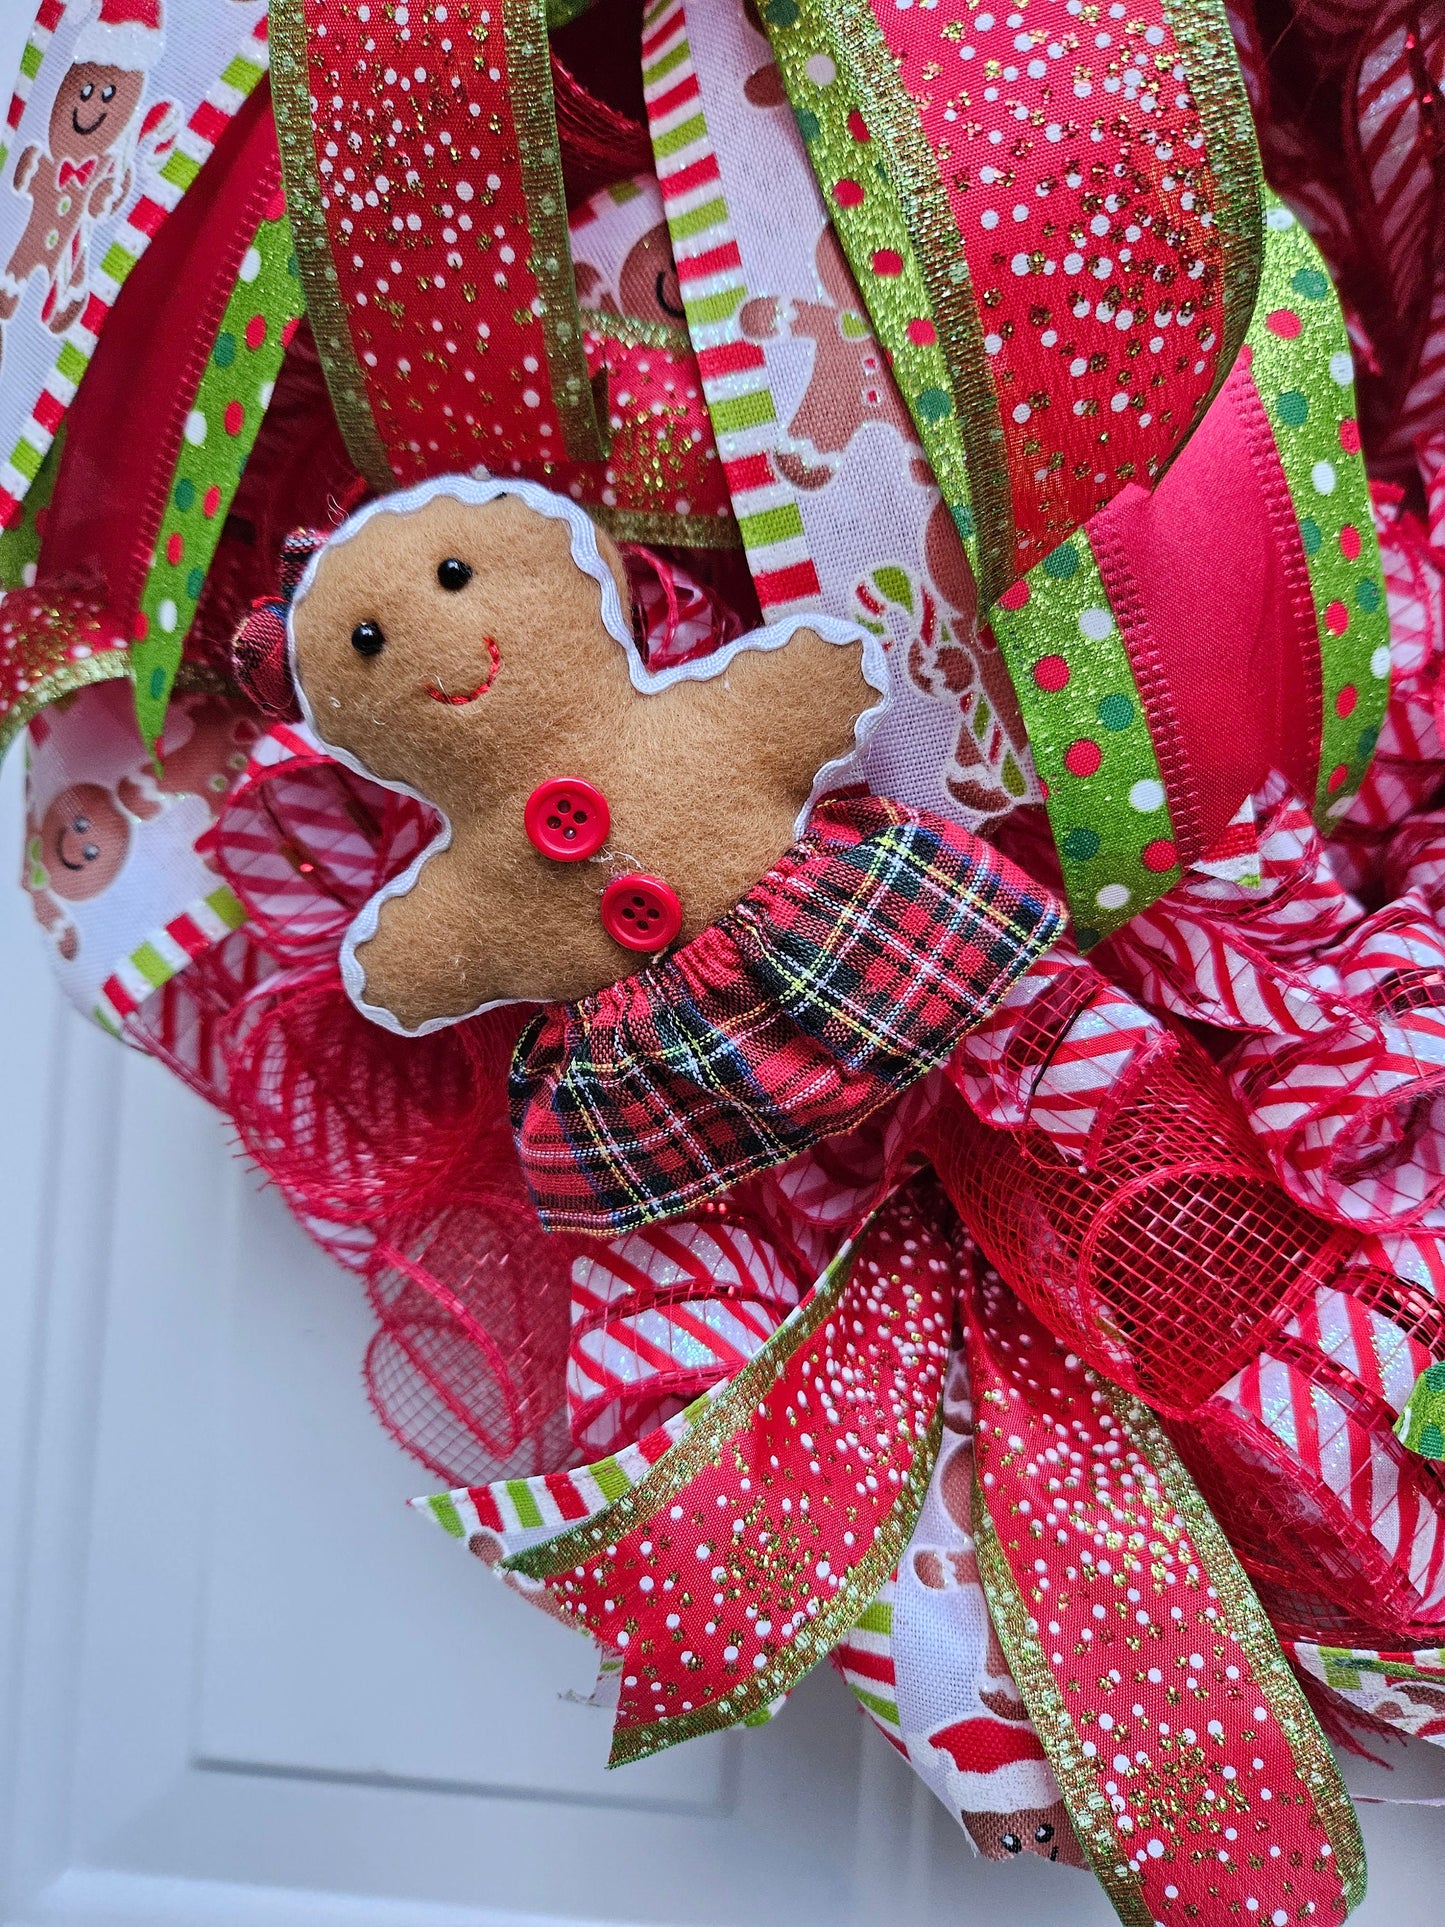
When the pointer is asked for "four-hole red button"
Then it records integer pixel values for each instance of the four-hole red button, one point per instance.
(566, 819)
(641, 912)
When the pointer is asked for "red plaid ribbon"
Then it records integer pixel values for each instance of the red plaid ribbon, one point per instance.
(850, 970)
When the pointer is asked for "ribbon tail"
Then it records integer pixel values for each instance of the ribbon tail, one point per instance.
(1195, 1773)
(764, 1519)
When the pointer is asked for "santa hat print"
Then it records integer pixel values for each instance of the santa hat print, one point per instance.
(998, 1766)
(121, 33)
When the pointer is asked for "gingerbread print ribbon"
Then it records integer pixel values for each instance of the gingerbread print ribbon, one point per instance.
(174, 88)
(836, 505)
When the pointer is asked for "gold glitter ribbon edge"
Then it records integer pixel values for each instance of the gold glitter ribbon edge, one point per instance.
(291, 104)
(1035, 1680)
(1257, 1640)
(529, 77)
(728, 1414)
(939, 247)
(1202, 30)
(812, 1642)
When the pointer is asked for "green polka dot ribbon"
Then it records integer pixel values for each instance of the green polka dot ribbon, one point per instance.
(220, 432)
(1421, 1426)
(1302, 369)
(1090, 739)
(1086, 720)
(840, 79)
(20, 543)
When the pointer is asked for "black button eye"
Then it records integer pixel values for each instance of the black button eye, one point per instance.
(367, 639)
(1011, 1843)
(1043, 1834)
(453, 574)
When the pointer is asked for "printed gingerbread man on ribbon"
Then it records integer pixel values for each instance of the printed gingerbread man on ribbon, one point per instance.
(97, 131)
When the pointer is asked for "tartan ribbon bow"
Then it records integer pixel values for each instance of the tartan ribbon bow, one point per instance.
(843, 976)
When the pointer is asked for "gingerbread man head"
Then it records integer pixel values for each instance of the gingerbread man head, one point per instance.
(648, 281)
(100, 95)
(94, 106)
(466, 642)
(84, 839)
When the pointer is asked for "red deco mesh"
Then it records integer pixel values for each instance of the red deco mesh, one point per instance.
(465, 1369)
(353, 1122)
(1299, 1459)
(396, 1153)
(1313, 1552)
(1166, 1260)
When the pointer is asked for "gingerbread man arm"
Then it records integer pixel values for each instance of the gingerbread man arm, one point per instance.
(48, 913)
(25, 168)
(422, 960)
(787, 711)
(108, 192)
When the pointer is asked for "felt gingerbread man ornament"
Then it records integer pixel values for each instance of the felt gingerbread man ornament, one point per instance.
(86, 169)
(466, 642)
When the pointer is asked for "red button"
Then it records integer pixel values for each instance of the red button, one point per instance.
(641, 912)
(566, 819)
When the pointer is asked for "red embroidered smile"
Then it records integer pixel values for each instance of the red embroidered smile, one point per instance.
(440, 695)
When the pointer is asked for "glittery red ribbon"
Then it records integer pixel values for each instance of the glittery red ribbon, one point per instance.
(431, 225)
(1081, 195)
(753, 1545)
(1197, 1779)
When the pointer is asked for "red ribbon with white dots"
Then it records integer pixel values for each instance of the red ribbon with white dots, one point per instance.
(1197, 1779)
(424, 181)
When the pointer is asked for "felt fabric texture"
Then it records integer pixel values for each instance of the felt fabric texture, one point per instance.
(843, 976)
(481, 693)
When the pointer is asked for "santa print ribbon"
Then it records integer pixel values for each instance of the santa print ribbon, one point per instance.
(425, 185)
(1028, 213)
(1136, 649)
(192, 67)
(774, 1511)
(1197, 1779)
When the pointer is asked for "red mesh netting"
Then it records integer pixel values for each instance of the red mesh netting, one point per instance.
(396, 1153)
(1297, 1453)
(466, 1366)
(353, 1122)
(1328, 1563)
(1168, 1258)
